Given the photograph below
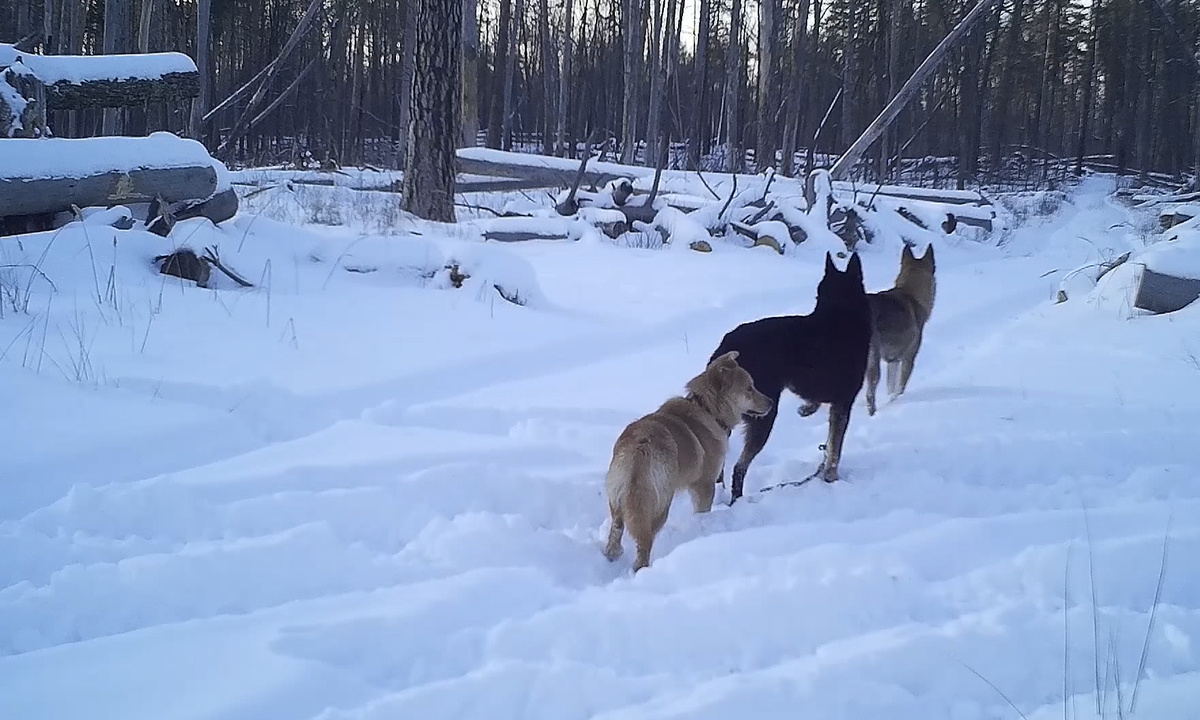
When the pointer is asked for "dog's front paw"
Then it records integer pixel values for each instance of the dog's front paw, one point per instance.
(613, 553)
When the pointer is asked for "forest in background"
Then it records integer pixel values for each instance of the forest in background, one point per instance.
(717, 84)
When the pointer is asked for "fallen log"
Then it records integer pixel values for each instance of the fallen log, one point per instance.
(217, 209)
(1161, 293)
(51, 175)
(547, 171)
(75, 82)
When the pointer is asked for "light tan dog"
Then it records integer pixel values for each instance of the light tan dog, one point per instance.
(680, 445)
(898, 318)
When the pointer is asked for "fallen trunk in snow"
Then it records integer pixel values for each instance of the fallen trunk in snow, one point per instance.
(75, 82)
(50, 175)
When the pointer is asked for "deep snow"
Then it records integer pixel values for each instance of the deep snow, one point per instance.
(358, 493)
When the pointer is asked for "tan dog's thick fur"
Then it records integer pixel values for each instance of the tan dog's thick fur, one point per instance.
(898, 318)
(680, 445)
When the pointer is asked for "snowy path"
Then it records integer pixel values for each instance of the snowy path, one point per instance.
(423, 542)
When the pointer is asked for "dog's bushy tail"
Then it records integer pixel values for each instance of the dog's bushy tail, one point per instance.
(636, 477)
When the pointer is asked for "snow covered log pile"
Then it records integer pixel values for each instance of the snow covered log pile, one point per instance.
(77, 82)
(685, 209)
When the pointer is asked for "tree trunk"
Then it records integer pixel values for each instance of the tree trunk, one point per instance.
(470, 73)
(510, 76)
(564, 76)
(736, 158)
(701, 125)
(429, 175)
(548, 65)
(891, 137)
(407, 69)
(849, 74)
(657, 81)
(796, 100)
(631, 24)
(1002, 115)
(116, 40)
(1085, 113)
(768, 82)
(495, 136)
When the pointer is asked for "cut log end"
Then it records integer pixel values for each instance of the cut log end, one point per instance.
(1161, 293)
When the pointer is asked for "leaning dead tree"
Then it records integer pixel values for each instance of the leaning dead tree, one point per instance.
(908, 91)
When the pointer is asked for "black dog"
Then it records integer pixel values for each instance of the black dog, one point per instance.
(822, 357)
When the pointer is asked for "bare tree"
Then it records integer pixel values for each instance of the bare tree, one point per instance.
(429, 175)
(736, 159)
(768, 82)
(470, 73)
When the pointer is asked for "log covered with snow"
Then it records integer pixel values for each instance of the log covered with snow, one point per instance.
(50, 175)
(75, 82)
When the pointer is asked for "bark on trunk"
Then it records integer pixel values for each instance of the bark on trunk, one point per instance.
(564, 76)
(428, 186)
(547, 78)
(736, 159)
(470, 73)
(768, 57)
(116, 40)
(658, 83)
(701, 127)
(510, 77)
(632, 24)
(407, 66)
(495, 137)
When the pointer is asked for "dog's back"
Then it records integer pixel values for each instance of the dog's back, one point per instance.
(820, 356)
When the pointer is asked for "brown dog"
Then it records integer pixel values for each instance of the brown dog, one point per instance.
(680, 445)
(898, 318)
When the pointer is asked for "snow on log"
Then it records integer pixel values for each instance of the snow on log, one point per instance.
(51, 174)
(551, 171)
(75, 82)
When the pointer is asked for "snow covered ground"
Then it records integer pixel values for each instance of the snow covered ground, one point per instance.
(358, 493)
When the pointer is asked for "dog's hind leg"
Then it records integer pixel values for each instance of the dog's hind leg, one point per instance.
(644, 530)
(702, 495)
(872, 376)
(906, 366)
(758, 429)
(839, 420)
(616, 531)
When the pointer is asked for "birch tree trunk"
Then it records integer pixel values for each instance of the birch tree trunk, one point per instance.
(429, 175)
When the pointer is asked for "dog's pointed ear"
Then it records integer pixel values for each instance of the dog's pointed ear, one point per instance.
(729, 358)
(829, 266)
(854, 267)
(928, 256)
(907, 253)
